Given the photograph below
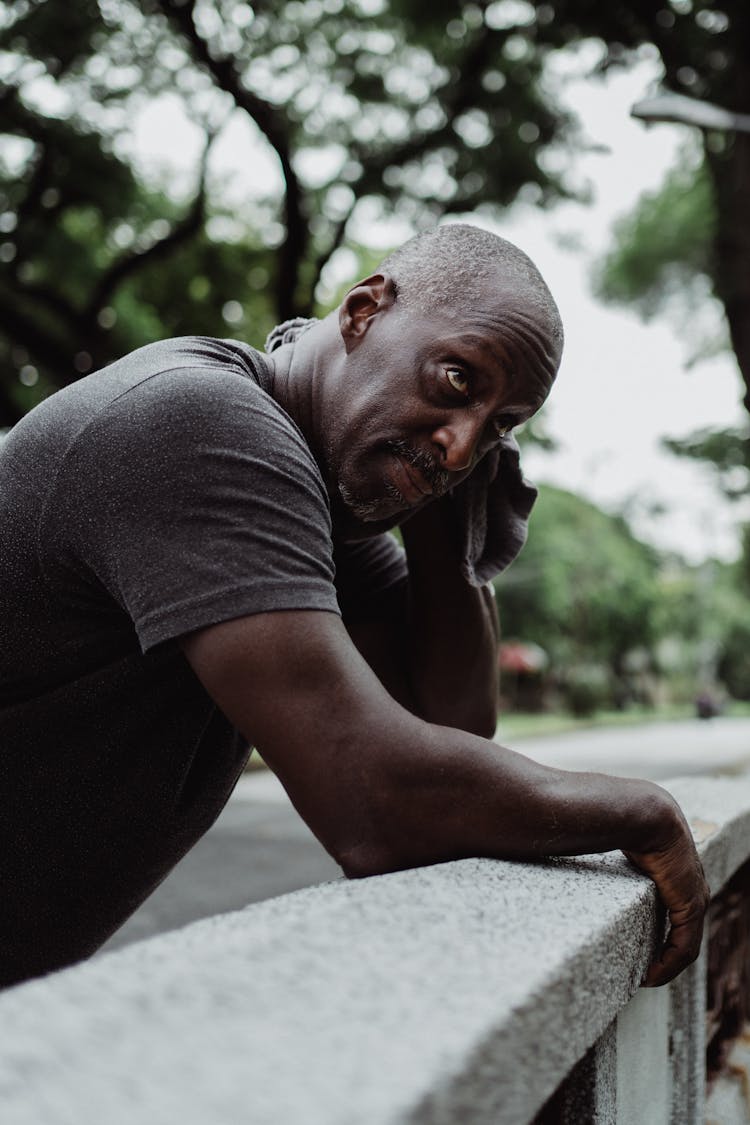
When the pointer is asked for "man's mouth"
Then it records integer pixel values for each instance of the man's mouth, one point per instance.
(417, 475)
(409, 481)
(410, 478)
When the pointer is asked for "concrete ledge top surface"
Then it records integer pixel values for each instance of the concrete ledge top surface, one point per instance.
(402, 998)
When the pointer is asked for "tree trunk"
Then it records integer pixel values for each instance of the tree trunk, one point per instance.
(730, 170)
(731, 175)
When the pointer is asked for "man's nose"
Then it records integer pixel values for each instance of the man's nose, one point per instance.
(458, 441)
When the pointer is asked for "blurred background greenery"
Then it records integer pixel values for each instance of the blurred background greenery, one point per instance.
(375, 112)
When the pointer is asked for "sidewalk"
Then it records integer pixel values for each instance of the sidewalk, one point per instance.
(258, 848)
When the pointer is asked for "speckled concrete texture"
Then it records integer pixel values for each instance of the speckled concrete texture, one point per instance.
(457, 993)
(589, 1092)
(462, 992)
(719, 811)
(688, 1044)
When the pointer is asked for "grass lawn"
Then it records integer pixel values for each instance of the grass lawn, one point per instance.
(519, 725)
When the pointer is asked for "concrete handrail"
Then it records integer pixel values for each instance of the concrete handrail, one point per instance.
(463, 992)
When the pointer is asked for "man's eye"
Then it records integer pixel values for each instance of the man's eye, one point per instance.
(457, 379)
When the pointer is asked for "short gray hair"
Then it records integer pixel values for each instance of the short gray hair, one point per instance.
(445, 267)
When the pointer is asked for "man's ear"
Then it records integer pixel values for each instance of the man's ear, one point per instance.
(367, 298)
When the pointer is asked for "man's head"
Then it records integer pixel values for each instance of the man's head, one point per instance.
(454, 341)
(452, 267)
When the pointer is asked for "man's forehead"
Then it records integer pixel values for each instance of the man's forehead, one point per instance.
(501, 333)
(489, 343)
(515, 326)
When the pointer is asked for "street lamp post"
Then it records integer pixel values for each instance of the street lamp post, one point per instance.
(677, 108)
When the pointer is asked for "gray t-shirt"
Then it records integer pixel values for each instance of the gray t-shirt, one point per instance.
(163, 494)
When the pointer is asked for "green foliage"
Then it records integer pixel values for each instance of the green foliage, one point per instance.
(734, 663)
(405, 108)
(583, 588)
(663, 244)
(411, 110)
(726, 451)
(690, 240)
(586, 689)
(608, 609)
(701, 46)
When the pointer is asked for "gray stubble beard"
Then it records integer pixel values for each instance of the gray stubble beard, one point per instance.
(370, 511)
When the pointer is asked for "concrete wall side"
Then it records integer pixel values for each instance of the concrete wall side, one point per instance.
(465, 991)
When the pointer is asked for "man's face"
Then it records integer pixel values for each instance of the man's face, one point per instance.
(421, 399)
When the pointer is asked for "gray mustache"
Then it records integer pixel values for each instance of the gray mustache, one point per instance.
(438, 479)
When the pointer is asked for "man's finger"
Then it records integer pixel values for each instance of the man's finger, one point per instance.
(680, 950)
(684, 892)
(683, 941)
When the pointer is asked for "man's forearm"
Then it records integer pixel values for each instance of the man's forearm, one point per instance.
(464, 797)
(384, 790)
(453, 629)
(449, 793)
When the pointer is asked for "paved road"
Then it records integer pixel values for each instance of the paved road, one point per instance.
(655, 750)
(260, 848)
(257, 849)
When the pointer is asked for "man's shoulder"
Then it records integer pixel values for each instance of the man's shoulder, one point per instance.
(171, 398)
(193, 387)
(183, 366)
(203, 362)
(184, 379)
(199, 353)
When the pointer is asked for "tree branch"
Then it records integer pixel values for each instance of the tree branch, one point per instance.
(41, 345)
(275, 130)
(325, 256)
(52, 300)
(132, 262)
(484, 47)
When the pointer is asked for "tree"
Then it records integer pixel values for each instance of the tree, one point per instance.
(88, 250)
(405, 108)
(584, 588)
(594, 597)
(726, 451)
(662, 254)
(703, 51)
(663, 261)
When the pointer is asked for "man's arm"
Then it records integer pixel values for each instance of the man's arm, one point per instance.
(453, 632)
(384, 790)
(435, 647)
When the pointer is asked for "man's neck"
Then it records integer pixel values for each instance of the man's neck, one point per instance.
(300, 374)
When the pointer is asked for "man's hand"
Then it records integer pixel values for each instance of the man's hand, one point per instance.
(453, 632)
(383, 790)
(678, 874)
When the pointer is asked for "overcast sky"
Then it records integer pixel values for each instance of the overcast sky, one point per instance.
(623, 384)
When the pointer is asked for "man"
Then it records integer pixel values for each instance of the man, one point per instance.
(192, 559)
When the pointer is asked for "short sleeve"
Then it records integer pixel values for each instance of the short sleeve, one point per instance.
(193, 498)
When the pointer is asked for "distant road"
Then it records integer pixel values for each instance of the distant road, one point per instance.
(654, 750)
(259, 847)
